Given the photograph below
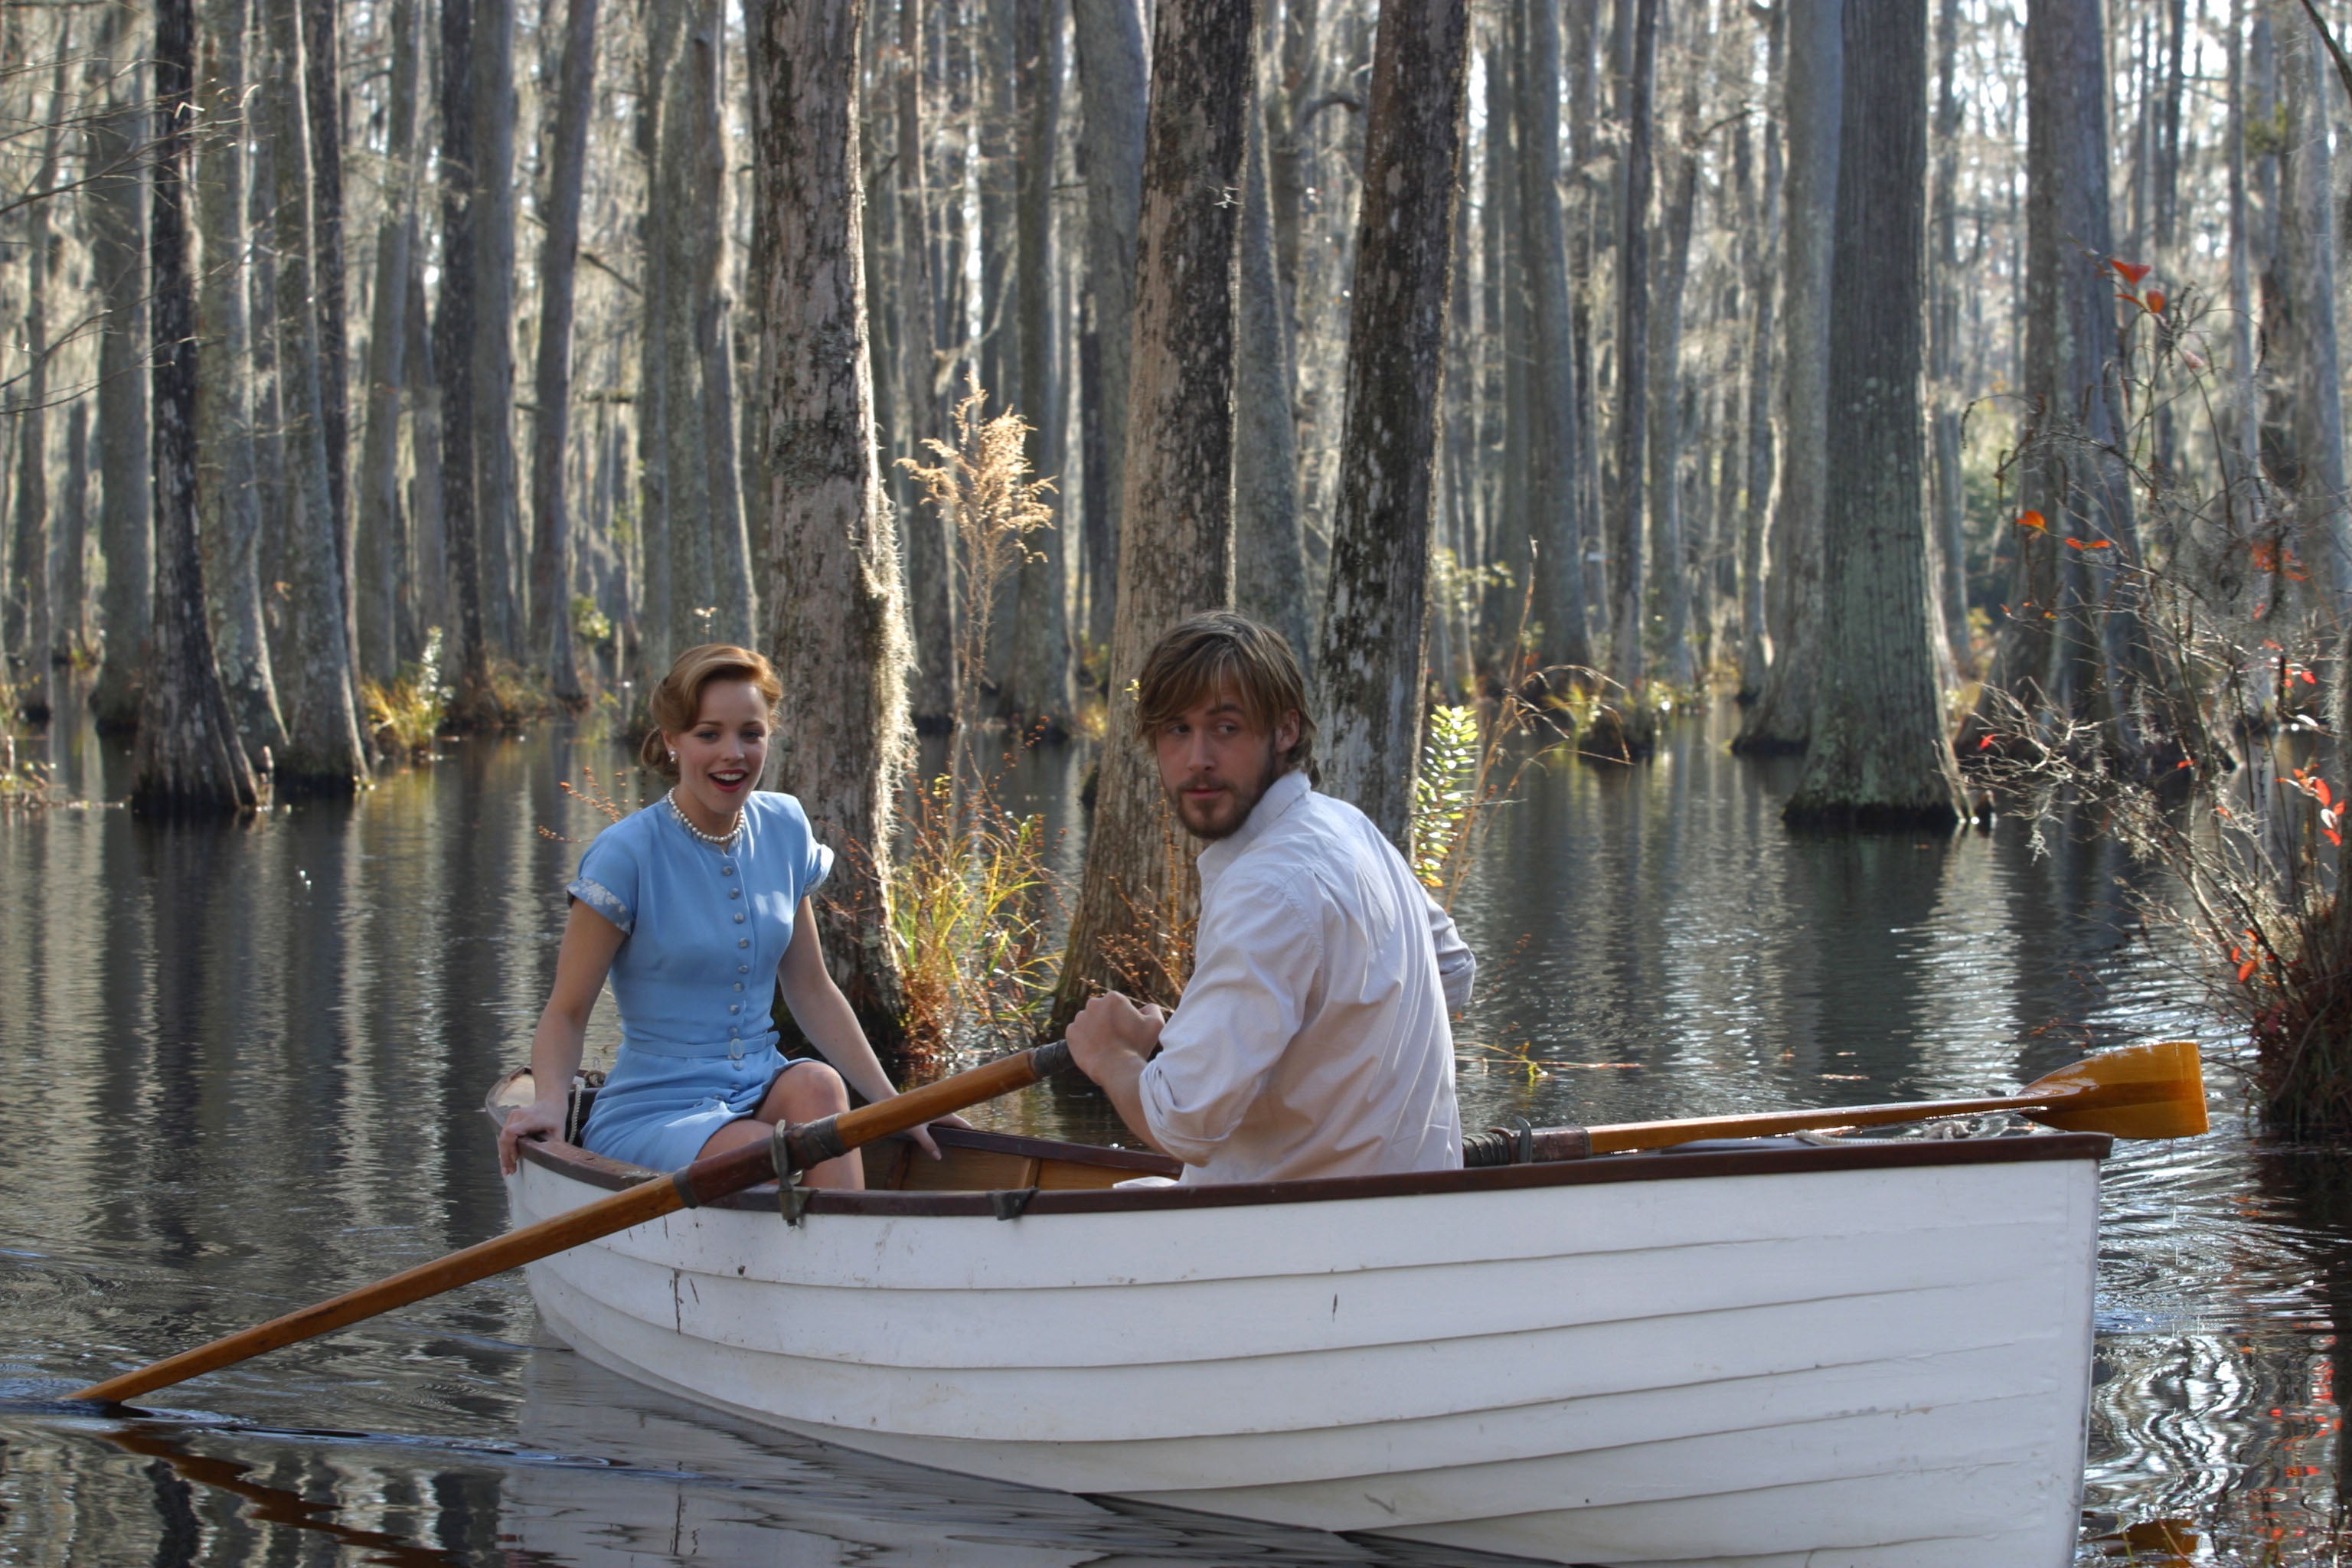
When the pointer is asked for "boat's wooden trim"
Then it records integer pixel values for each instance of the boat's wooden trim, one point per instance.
(1045, 1168)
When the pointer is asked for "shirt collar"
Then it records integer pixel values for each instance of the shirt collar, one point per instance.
(1272, 806)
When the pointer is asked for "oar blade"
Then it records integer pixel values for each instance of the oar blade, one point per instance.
(2152, 1090)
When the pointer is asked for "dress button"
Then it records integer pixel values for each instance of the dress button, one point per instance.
(734, 892)
(739, 985)
(742, 940)
(734, 1007)
(726, 870)
(739, 920)
(742, 969)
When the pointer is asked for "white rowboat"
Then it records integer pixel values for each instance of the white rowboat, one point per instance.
(1767, 1354)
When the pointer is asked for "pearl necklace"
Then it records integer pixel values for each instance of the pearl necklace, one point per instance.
(716, 840)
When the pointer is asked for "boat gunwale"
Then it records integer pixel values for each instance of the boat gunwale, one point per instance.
(1662, 1164)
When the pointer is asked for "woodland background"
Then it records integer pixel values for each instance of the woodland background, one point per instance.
(1949, 382)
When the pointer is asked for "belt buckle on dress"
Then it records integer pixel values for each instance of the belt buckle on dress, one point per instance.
(735, 1049)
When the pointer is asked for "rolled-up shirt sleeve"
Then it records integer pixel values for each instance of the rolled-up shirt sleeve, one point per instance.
(1457, 967)
(1247, 1001)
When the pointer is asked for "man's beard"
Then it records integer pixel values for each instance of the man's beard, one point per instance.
(1245, 795)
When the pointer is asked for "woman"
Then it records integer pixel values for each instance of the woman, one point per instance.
(698, 908)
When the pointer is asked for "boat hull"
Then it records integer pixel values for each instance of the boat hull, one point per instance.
(1767, 1358)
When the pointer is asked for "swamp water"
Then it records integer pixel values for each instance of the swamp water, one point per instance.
(241, 1069)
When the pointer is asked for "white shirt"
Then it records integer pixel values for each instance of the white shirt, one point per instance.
(1312, 1038)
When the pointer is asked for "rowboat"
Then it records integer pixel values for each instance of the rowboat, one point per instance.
(1762, 1353)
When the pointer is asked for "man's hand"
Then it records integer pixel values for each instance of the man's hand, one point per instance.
(1110, 1024)
(1110, 1040)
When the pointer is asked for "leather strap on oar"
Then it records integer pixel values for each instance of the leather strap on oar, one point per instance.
(698, 1184)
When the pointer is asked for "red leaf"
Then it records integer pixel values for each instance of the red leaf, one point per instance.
(2184, 762)
(2272, 646)
(2308, 678)
(2319, 792)
(2034, 520)
(2333, 836)
(2245, 972)
(2155, 302)
(2130, 272)
(1985, 744)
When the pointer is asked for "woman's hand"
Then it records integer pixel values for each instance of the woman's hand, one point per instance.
(540, 1118)
(922, 1135)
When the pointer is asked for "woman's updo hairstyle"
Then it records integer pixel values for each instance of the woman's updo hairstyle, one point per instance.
(677, 702)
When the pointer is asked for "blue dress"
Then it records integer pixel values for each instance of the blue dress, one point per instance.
(704, 930)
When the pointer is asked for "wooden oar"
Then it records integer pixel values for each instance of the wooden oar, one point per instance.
(2155, 1090)
(700, 1183)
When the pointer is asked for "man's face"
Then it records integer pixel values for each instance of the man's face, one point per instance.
(1214, 763)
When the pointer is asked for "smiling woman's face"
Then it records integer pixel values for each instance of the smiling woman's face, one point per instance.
(720, 758)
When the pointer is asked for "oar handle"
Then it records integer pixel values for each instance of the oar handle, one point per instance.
(700, 1183)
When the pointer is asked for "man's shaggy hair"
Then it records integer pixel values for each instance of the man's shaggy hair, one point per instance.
(1209, 654)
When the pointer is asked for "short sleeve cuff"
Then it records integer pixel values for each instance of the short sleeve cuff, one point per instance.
(604, 900)
(820, 868)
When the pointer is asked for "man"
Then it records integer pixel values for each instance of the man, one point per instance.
(1312, 1038)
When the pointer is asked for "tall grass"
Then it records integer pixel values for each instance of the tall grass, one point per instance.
(405, 714)
(971, 910)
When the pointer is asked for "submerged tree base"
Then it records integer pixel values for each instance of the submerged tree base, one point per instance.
(1619, 735)
(1845, 816)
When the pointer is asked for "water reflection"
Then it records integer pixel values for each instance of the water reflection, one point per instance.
(239, 1068)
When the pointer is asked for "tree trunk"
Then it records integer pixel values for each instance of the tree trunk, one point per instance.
(1269, 555)
(1763, 238)
(664, 220)
(116, 197)
(377, 567)
(1176, 542)
(558, 257)
(30, 637)
(1113, 68)
(2095, 645)
(1878, 757)
(701, 608)
(930, 551)
(1943, 337)
(324, 753)
(731, 587)
(322, 92)
(2316, 478)
(1670, 549)
(188, 758)
(1781, 717)
(73, 540)
(1040, 683)
(498, 508)
(1562, 638)
(228, 498)
(1374, 628)
(476, 706)
(1628, 589)
(837, 619)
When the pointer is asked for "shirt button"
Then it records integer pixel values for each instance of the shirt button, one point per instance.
(739, 920)
(734, 1007)
(726, 870)
(742, 969)
(739, 985)
(741, 941)
(734, 892)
